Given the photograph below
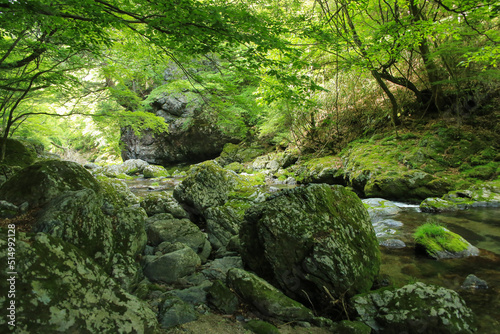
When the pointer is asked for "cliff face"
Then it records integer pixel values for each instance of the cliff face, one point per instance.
(191, 138)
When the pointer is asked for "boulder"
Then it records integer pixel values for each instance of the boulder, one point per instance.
(19, 153)
(192, 135)
(114, 241)
(173, 312)
(176, 230)
(486, 194)
(310, 239)
(473, 282)
(206, 185)
(414, 308)
(153, 171)
(162, 202)
(222, 298)
(59, 289)
(43, 181)
(128, 167)
(379, 208)
(170, 267)
(265, 297)
(116, 193)
(412, 185)
(440, 243)
(223, 222)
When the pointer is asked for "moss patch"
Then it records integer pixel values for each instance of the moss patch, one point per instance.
(436, 238)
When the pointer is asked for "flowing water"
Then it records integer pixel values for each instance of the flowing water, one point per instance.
(481, 227)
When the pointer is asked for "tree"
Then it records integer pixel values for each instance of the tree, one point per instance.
(43, 43)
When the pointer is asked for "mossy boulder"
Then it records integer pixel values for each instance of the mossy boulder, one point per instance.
(59, 289)
(312, 238)
(153, 171)
(129, 167)
(223, 222)
(6, 172)
(170, 267)
(206, 185)
(162, 202)
(233, 153)
(222, 298)
(440, 243)
(486, 194)
(415, 308)
(174, 311)
(113, 241)
(265, 297)
(45, 180)
(116, 193)
(177, 230)
(408, 186)
(379, 208)
(326, 169)
(18, 153)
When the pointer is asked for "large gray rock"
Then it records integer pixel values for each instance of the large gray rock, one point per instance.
(415, 308)
(170, 267)
(45, 180)
(206, 185)
(162, 202)
(59, 289)
(265, 297)
(379, 208)
(113, 241)
(191, 137)
(176, 230)
(174, 311)
(129, 167)
(310, 239)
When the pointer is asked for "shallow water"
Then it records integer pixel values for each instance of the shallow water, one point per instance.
(481, 227)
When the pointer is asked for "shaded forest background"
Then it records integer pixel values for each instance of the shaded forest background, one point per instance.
(308, 74)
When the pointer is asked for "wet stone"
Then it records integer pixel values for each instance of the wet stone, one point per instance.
(393, 243)
(473, 282)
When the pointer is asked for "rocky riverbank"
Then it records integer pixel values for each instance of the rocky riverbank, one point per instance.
(92, 257)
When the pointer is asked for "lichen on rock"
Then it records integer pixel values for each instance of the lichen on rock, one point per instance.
(310, 239)
(415, 308)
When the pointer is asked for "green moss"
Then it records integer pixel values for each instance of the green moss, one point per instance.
(19, 154)
(436, 238)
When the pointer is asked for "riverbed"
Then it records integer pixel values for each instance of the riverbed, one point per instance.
(480, 226)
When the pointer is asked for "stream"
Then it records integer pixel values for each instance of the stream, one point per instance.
(479, 226)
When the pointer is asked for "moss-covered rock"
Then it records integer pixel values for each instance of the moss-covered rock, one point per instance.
(59, 289)
(233, 153)
(170, 267)
(410, 186)
(206, 185)
(261, 327)
(222, 298)
(174, 311)
(176, 230)
(312, 238)
(129, 167)
(116, 193)
(265, 297)
(351, 327)
(153, 171)
(440, 243)
(45, 180)
(112, 241)
(18, 153)
(6, 172)
(486, 194)
(379, 208)
(162, 202)
(223, 222)
(415, 308)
